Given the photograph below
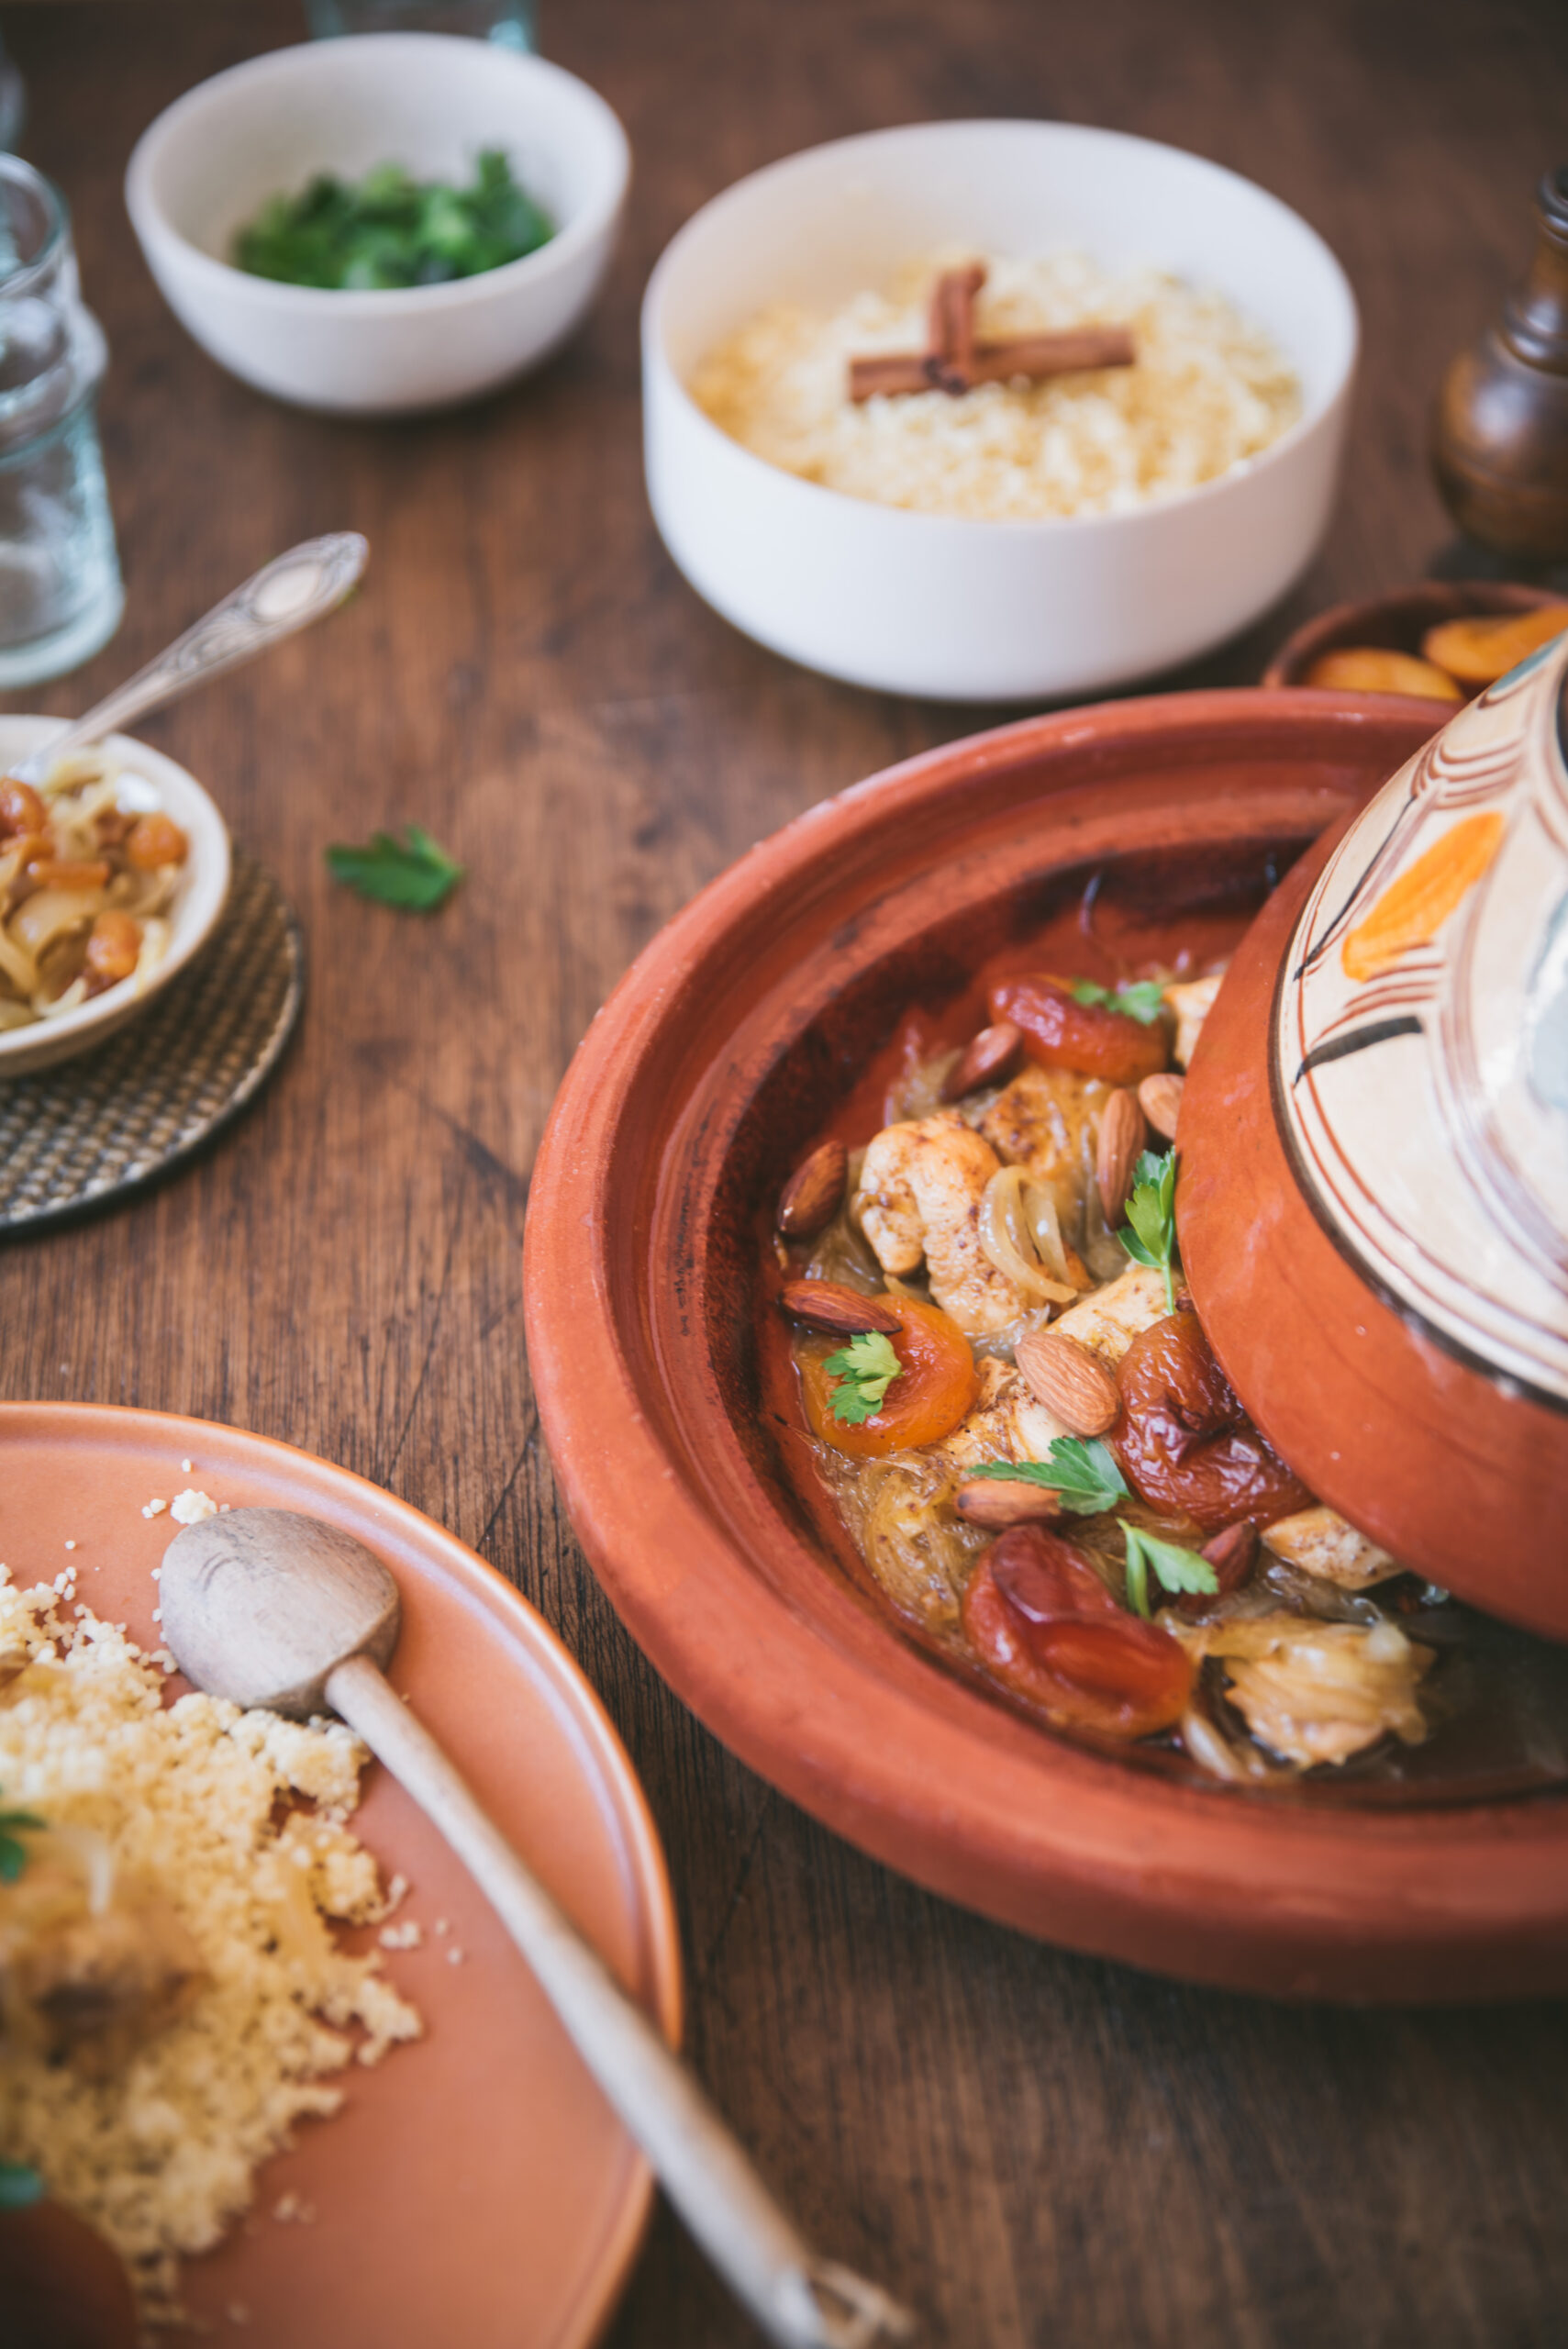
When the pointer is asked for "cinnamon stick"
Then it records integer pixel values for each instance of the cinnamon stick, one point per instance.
(892, 371)
(1035, 355)
(951, 340)
(1054, 354)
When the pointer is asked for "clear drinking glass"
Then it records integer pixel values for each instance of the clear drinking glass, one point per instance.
(59, 582)
(511, 24)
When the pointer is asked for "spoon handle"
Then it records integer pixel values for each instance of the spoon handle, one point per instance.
(287, 593)
(800, 2302)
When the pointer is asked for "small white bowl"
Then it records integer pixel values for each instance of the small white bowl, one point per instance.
(200, 898)
(964, 610)
(430, 101)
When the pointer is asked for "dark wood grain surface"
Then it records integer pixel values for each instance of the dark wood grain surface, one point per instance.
(1034, 2148)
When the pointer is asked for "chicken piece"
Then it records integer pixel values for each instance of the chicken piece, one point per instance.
(1191, 1000)
(90, 1984)
(1319, 1542)
(1315, 1692)
(1048, 1121)
(920, 1191)
(1005, 1424)
(1108, 1320)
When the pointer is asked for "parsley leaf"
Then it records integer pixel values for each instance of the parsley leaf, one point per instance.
(388, 229)
(864, 1369)
(20, 2187)
(12, 1852)
(1149, 1234)
(1138, 998)
(412, 872)
(1175, 1568)
(1086, 1475)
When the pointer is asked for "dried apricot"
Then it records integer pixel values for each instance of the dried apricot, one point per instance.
(1104, 1669)
(1061, 1033)
(21, 809)
(114, 948)
(1372, 668)
(1483, 648)
(155, 841)
(1185, 1442)
(935, 1389)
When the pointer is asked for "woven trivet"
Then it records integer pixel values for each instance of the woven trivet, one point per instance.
(92, 1127)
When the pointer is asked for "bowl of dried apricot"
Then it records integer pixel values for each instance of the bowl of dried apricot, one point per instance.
(1445, 641)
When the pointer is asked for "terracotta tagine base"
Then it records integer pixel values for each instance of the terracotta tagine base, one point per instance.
(731, 1043)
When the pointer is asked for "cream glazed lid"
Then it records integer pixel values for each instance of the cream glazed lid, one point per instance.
(1419, 1049)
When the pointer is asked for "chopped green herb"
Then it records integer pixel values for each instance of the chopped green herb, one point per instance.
(388, 230)
(20, 2188)
(412, 872)
(1084, 1474)
(864, 1369)
(1139, 999)
(1175, 1569)
(12, 1852)
(1149, 1234)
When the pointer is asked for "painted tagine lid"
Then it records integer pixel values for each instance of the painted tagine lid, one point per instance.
(1373, 1210)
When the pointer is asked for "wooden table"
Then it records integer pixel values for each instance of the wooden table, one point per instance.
(1034, 2147)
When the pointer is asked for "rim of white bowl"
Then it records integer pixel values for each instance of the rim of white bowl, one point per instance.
(152, 224)
(656, 356)
(207, 893)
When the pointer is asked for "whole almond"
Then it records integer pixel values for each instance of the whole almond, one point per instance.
(1160, 1098)
(1122, 1136)
(986, 1060)
(998, 1502)
(842, 1312)
(1073, 1384)
(1232, 1554)
(815, 1192)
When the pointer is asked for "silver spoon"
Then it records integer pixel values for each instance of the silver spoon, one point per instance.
(289, 593)
(267, 1607)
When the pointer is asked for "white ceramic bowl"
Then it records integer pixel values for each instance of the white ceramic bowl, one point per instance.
(430, 102)
(988, 611)
(149, 780)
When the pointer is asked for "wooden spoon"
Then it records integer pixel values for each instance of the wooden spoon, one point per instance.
(270, 1608)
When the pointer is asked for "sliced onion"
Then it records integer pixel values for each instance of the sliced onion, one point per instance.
(51, 913)
(1045, 1230)
(17, 965)
(1008, 1242)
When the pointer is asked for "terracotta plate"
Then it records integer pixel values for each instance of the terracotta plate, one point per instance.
(721, 1054)
(475, 2187)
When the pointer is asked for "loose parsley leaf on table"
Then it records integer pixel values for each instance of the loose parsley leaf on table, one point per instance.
(864, 1369)
(12, 1852)
(1175, 1569)
(412, 871)
(388, 230)
(1139, 999)
(1149, 1234)
(1084, 1474)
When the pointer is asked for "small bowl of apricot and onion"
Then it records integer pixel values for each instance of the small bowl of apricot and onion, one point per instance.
(1443, 641)
(114, 873)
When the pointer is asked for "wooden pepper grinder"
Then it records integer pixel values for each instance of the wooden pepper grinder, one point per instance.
(1500, 428)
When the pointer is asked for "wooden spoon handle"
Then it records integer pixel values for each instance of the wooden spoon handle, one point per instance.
(800, 2302)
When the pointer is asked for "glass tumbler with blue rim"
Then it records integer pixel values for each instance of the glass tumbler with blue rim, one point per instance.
(60, 596)
(510, 24)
